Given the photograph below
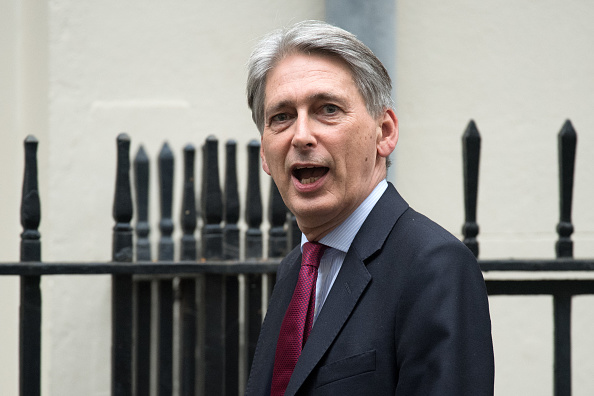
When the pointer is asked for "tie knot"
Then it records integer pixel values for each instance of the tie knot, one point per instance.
(312, 253)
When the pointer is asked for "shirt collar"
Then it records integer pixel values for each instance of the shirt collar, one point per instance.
(342, 236)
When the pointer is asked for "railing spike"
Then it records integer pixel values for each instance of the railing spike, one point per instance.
(188, 210)
(231, 206)
(122, 203)
(567, 140)
(212, 207)
(166, 164)
(277, 216)
(254, 202)
(30, 205)
(141, 182)
(471, 150)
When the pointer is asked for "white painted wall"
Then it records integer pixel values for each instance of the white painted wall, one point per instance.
(157, 70)
(519, 69)
(77, 73)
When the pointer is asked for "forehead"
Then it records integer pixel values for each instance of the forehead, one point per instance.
(308, 75)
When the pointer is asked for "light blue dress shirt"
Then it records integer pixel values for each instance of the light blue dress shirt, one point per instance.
(339, 241)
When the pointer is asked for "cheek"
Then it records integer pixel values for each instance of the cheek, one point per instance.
(275, 161)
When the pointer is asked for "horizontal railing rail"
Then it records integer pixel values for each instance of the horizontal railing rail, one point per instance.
(177, 268)
(259, 266)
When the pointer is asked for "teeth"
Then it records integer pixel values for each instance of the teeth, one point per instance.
(310, 180)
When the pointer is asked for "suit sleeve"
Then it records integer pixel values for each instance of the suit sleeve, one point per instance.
(443, 330)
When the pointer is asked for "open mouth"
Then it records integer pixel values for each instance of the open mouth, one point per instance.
(309, 174)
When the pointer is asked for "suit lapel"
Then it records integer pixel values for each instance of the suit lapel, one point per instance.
(348, 287)
(351, 282)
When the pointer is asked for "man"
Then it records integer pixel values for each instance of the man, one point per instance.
(396, 305)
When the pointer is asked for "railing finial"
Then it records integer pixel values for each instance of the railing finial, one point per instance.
(567, 140)
(231, 204)
(253, 212)
(188, 220)
(141, 182)
(277, 216)
(166, 163)
(212, 207)
(30, 205)
(122, 203)
(471, 150)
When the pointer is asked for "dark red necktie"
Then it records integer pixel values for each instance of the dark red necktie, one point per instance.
(298, 319)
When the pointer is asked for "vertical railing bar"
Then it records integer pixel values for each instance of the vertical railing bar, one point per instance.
(187, 286)
(254, 248)
(142, 289)
(142, 337)
(122, 284)
(231, 335)
(471, 150)
(165, 287)
(567, 142)
(30, 298)
(214, 289)
(562, 344)
(232, 284)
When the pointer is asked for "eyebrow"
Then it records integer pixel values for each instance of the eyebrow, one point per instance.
(317, 97)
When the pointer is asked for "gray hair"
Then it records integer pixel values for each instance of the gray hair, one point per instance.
(316, 37)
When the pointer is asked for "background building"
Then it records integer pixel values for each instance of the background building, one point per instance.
(76, 73)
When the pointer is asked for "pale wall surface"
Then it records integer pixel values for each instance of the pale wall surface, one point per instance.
(519, 69)
(77, 73)
(157, 70)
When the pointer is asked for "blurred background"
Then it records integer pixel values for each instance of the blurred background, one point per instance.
(77, 73)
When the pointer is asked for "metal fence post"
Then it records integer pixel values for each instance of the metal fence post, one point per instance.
(122, 284)
(30, 308)
(564, 249)
(142, 289)
(215, 298)
(165, 286)
(187, 286)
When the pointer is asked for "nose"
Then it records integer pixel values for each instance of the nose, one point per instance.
(303, 136)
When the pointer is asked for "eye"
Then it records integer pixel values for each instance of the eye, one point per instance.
(279, 118)
(330, 109)
(280, 121)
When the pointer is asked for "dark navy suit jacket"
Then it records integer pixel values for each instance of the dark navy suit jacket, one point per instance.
(407, 315)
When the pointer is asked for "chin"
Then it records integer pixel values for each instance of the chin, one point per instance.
(311, 214)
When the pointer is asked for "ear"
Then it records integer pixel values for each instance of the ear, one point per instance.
(263, 157)
(388, 137)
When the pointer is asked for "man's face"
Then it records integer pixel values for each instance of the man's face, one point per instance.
(323, 149)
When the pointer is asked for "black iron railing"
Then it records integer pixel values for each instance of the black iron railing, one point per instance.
(210, 300)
